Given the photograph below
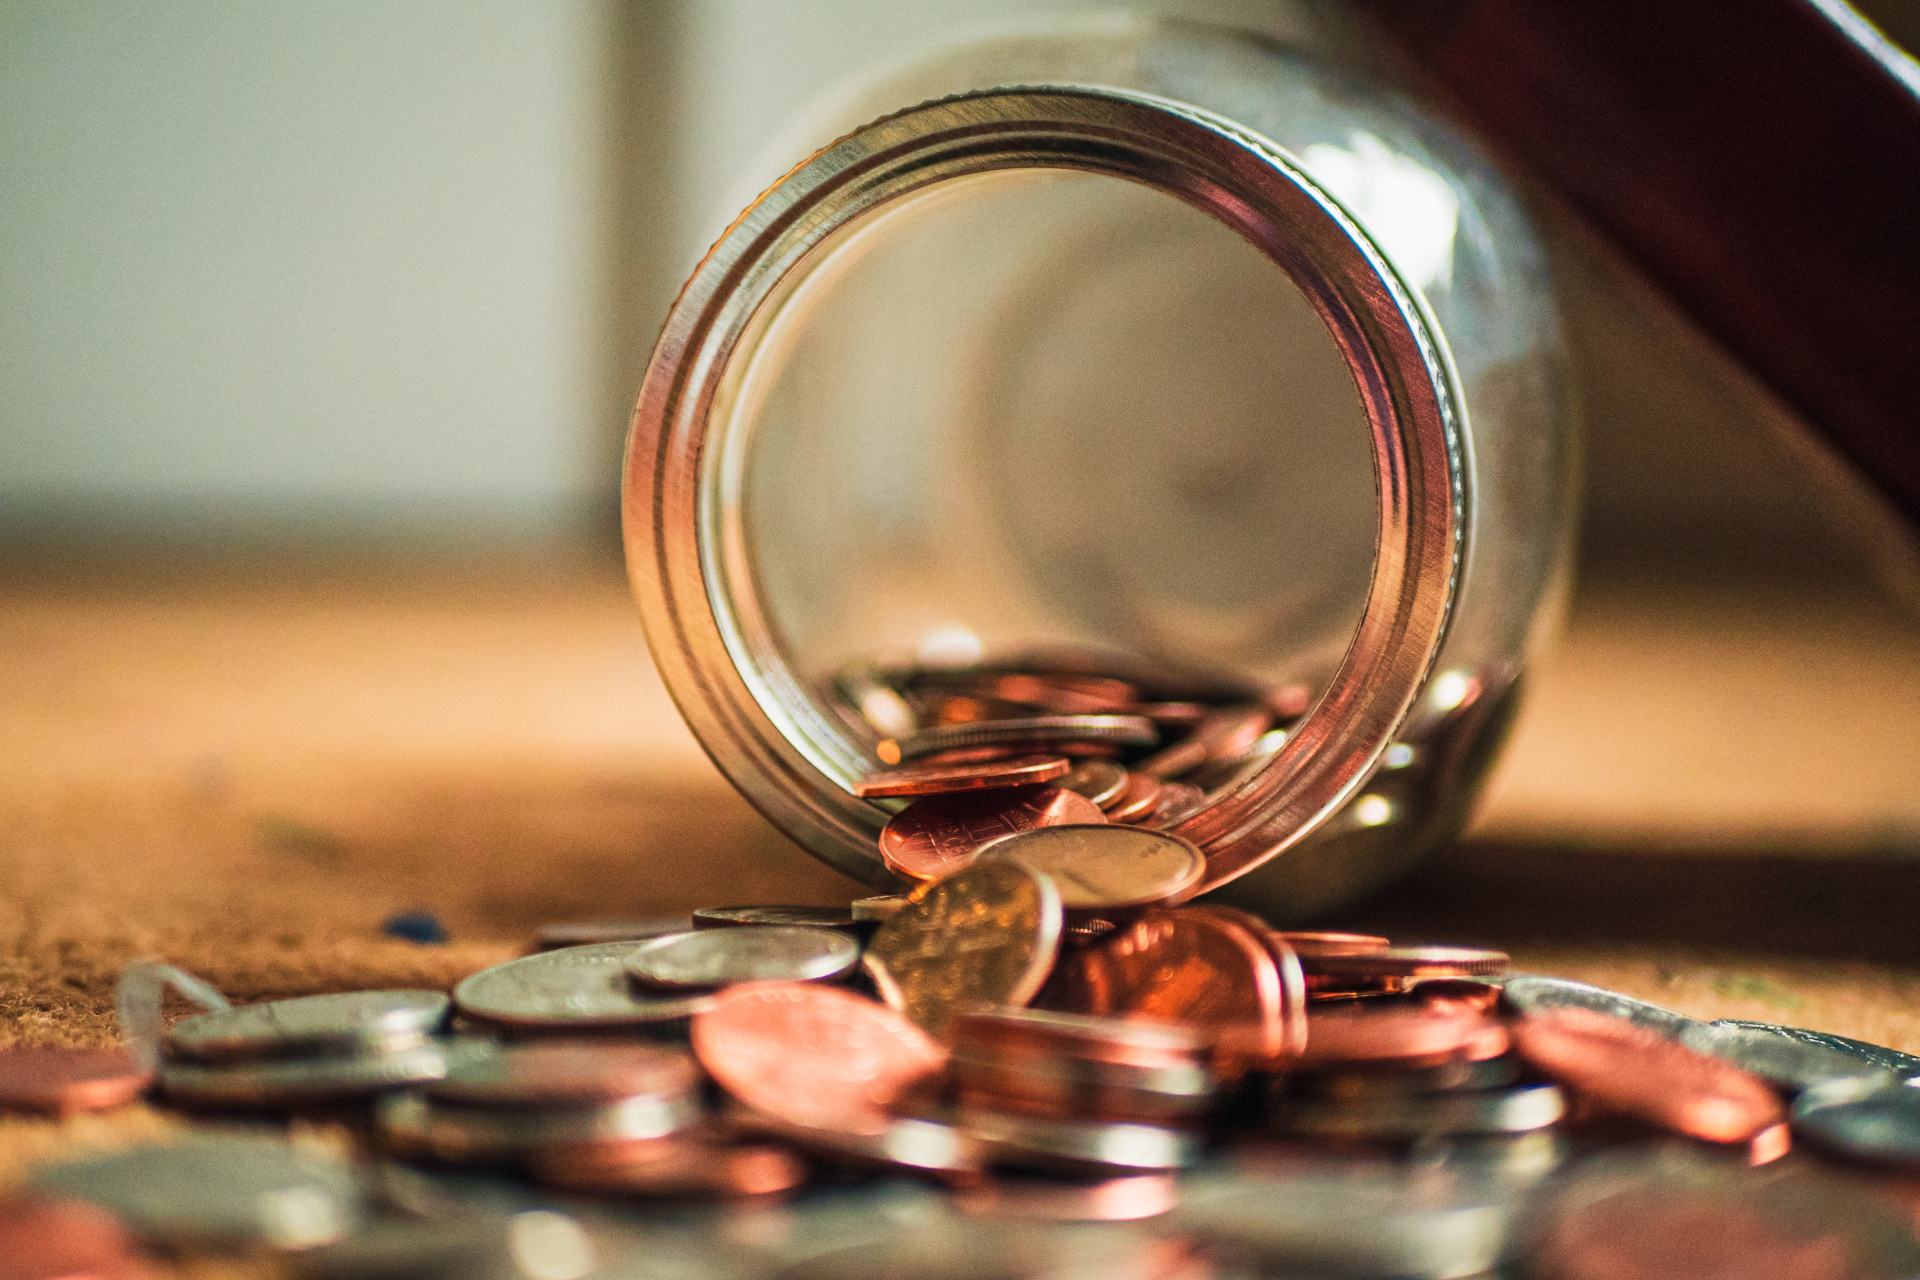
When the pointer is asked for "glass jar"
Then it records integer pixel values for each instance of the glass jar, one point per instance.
(1194, 356)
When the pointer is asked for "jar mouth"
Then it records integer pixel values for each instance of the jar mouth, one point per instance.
(687, 458)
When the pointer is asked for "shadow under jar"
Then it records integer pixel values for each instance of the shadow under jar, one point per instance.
(1191, 360)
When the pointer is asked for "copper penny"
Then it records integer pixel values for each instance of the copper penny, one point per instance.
(1381, 1032)
(1224, 734)
(987, 934)
(1628, 1069)
(1404, 963)
(1333, 944)
(939, 834)
(1130, 1042)
(1293, 985)
(1287, 701)
(959, 708)
(811, 1055)
(46, 1239)
(1141, 797)
(937, 779)
(1181, 966)
(66, 1081)
(1035, 731)
(679, 1170)
(1101, 867)
(1013, 751)
(563, 1073)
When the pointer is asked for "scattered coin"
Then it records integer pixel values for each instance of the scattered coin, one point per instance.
(347, 1022)
(580, 933)
(1100, 781)
(1098, 868)
(1863, 1118)
(1531, 993)
(987, 934)
(813, 1056)
(1520, 1109)
(300, 1081)
(1789, 1063)
(939, 834)
(775, 916)
(716, 957)
(939, 779)
(574, 988)
(900, 1144)
(1626, 1068)
(557, 1073)
(1871, 1056)
(683, 1170)
(874, 910)
(66, 1081)
(226, 1190)
(1082, 1146)
(460, 1134)
(1411, 1034)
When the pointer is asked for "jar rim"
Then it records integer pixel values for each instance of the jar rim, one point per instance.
(681, 484)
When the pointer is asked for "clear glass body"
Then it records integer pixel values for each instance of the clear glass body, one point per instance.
(1035, 406)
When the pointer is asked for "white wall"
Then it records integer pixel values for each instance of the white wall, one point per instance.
(301, 256)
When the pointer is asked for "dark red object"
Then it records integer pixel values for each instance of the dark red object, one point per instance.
(1759, 162)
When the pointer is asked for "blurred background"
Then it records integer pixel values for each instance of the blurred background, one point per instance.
(319, 328)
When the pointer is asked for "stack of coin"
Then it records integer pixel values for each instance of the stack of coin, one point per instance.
(307, 1050)
(511, 1104)
(1080, 1093)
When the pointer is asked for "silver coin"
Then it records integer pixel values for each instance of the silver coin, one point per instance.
(1518, 1110)
(581, 933)
(1082, 1145)
(573, 988)
(908, 1143)
(716, 957)
(1872, 1056)
(1533, 993)
(458, 1134)
(300, 1080)
(1098, 867)
(1127, 731)
(470, 1246)
(347, 1022)
(227, 1190)
(1865, 1118)
(1346, 1222)
(1100, 781)
(877, 910)
(777, 916)
(564, 1073)
(1781, 1060)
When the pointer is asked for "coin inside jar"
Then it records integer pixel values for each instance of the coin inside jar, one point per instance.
(1138, 800)
(1105, 867)
(1039, 731)
(987, 934)
(924, 779)
(717, 957)
(938, 834)
(1100, 781)
(813, 1056)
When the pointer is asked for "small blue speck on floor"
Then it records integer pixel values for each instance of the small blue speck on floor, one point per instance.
(422, 927)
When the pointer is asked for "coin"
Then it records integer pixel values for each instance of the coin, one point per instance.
(1079, 1145)
(1532, 993)
(225, 1190)
(1626, 1068)
(1058, 694)
(938, 834)
(1863, 1118)
(1333, 944)
(460, 1134)
(1286, 963)
(1183, 966)
(902, 1144)
(42, 1239)
(779, 916)
(1103, 867)
(717, 957)
(1788, 1063)
(1126, 731)
(580, 933)
(572, 988)
(813, 1056)
(1871, 1056)
(683, 1170)
(874, 910)
(1224, 733)
(995, 1079)
(1100, 781)
(66, 1081)
(1336, 969)
(1521, 1109)
(939, 779)
(987, 934)
(1408, 1033)
(298, 1081)
(1127, 1198)
(563, 1073)
(1140, 798)
(1359, 1082)
(1177, 802)
(347, 1022)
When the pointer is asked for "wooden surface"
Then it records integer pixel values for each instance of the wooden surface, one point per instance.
(245, 767)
